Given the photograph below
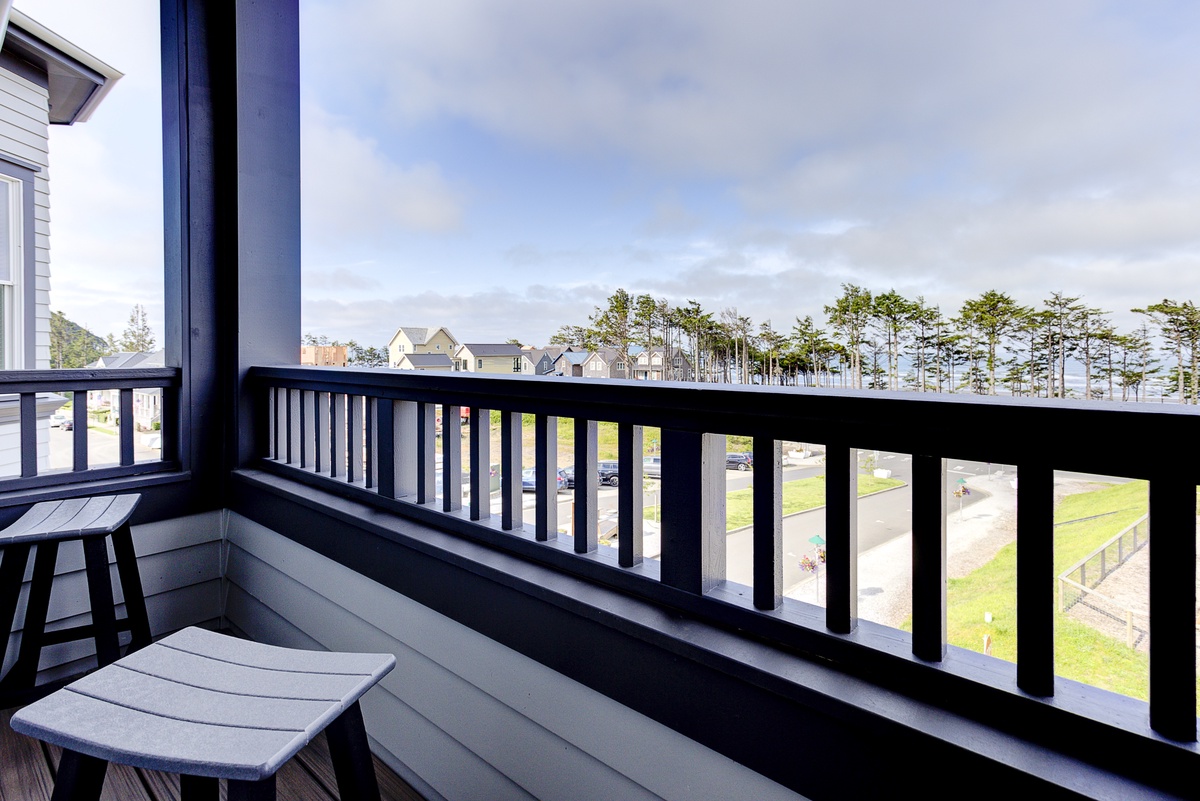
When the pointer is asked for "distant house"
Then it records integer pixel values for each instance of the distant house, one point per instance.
(543, 358)
(490, 358)
(570, 363)
(147, 403)
(409, 340)
(44, 80)
(425, 361)
(605, 363)
(659, 364)
(324, 355)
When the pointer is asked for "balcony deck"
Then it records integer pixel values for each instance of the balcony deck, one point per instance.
(29, 768)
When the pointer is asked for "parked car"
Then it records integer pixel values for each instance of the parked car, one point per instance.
(739, 461)
(57, 419)
(568, 473)
(67, 425)
(652, 467)
(607, 472)
(529, 480)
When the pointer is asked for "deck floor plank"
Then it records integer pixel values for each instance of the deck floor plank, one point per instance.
(28, 774)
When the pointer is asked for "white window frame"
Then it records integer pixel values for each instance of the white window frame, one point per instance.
(13, 293)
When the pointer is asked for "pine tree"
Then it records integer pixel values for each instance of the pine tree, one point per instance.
(138, 338)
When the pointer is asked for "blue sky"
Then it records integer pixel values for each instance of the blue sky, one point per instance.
(502, 168)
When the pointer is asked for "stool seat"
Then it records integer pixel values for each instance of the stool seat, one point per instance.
(71, 519)
(205, 704)
(91, 521)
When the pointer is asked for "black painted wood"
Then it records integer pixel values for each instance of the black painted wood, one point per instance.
(295, 448)
(13, 560)
(308, 429)
(371, 442)
(481, 458)
(338, 421)
(426, 453)
(1035, 573)
(127, 427)
(79, 778)
(28, 424)
(136, 616)
(199, 788)
(322, 449)
(629, 494)
(451, 458)
(841, 537)
(545, 461)
(586, 519)
(23, 673)
(693, 511)
(929, 557)
(100, 594)
(79, 440)
(354, 438)
(511, 500)
(386, 428)
(1173, 606)
(351, 756)
(768, 522)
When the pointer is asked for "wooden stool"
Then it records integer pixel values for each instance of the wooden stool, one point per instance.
(209, 707)
(45, 525)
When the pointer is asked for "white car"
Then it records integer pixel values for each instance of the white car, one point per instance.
(57, 419)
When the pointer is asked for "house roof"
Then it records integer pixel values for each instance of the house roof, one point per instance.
(421, 360)
(127, 359)
(77, 80)
(488, 349)
(575, 356)
(419, 336)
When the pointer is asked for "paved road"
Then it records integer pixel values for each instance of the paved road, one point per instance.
(103, 449)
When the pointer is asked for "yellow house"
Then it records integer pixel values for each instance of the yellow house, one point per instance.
(491, 358)
(420, 340)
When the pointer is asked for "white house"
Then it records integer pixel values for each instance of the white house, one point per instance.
(44, 80)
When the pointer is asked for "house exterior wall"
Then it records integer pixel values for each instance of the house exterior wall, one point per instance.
(500, 365)
(438, 342)
(463, 716)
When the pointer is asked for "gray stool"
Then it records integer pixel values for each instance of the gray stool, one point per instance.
(209, 707)
(44, 526)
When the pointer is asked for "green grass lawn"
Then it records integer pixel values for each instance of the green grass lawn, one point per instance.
(1080, 652)
(798, 496)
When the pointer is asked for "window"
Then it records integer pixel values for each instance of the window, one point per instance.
(16, 318)
(479, 364)
(402, 347)
(517, 364)
(620, 366)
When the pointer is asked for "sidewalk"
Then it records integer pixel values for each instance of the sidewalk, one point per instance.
(885, 572)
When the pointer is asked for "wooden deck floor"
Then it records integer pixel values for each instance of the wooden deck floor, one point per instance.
(27, 769)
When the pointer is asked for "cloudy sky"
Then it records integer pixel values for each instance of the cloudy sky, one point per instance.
(501, 168)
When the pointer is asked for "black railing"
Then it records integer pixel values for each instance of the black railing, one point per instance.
(371, 435)
(26, 387)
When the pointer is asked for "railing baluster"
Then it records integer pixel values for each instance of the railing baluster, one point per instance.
(126, 426)
(768, 522)
(79, 434)
(384, 453)
(29, 447)
(693, 520)
(337, 436)
(929, 558)
(1172, 606)
(308, 429)
(426, 453)
(480, 445)
(294, 423)
(371, 433)
(321, 431)
(451, 458)
(630, 494)
(841, 538)
(354, 436)
(278, 416)
(511, 500)
(586, 521)
(405, 449)
(545, 460)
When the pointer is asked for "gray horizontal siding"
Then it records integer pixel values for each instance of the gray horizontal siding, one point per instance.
(472, 718)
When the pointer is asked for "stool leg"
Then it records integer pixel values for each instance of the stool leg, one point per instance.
(24, 670)
(12, 571)
(352, 763)
(104, 617)
(263, 790)
(80, 777)
(131, 588)
(198, 788)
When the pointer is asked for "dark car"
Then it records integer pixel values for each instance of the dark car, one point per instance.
(739, 461)
(67, 425)
(568, 473)
(607, 472)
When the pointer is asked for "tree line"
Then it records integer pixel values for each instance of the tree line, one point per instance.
(73, 345)
(990, 345)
